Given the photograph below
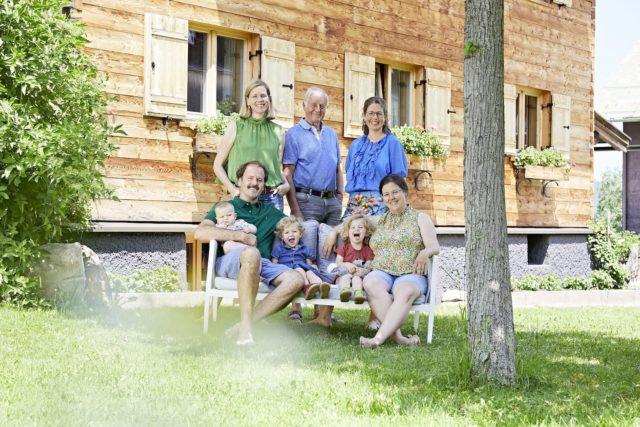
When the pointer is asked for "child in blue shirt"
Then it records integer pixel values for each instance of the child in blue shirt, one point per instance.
(296, 255)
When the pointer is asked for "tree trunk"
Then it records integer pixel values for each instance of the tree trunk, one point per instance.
(489, 310)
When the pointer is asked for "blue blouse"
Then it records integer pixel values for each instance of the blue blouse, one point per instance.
(369, 162)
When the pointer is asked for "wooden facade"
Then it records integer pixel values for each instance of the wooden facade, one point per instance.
(336, 44)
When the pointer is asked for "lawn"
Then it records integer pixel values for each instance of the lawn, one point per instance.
(154, 367)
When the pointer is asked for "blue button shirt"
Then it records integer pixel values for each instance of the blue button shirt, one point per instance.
(315, 160)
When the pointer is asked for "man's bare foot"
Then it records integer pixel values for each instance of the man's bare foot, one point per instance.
(369, 342)
(234, 330)
(408, 340)
(320, 322)
(245, 340)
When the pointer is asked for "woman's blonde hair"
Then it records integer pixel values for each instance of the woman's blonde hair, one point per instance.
(368, 226)
(245, 109)
(286, 222)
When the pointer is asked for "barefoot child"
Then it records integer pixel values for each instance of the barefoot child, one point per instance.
(354, 257)
(296, 255)
(226, 218)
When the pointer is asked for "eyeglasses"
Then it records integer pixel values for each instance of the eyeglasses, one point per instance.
(374, 114)
(393, 193)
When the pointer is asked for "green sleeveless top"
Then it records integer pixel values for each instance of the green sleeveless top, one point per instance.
(397, 242)
(256, 139)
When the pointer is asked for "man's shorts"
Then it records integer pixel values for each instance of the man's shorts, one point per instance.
(228, 265)
(392, 281)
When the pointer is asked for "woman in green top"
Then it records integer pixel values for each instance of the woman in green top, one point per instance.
(254, 137)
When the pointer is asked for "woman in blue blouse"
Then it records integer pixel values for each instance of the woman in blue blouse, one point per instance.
(372, 157)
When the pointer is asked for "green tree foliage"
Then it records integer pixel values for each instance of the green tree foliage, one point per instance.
(610, 250)
(610, 198)
(53, 137)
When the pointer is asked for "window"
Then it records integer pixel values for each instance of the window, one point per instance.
(395, 85)
(537, 246)
(529, 111)
(214, 61)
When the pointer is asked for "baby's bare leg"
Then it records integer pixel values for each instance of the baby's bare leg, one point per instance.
(312, 277)
(356, 283)
(230, 245)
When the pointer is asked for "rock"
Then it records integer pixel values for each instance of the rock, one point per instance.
(632, 267)
(72, 275)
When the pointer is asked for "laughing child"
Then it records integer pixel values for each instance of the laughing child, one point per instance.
(354, 257)
(296, 255)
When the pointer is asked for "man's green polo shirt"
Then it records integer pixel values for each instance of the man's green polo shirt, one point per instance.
(263, 215)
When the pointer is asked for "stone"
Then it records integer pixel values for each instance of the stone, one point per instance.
(632, 268)
(72, 275)
(454, 295)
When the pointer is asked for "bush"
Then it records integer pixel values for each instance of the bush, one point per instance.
(420, 142)
(53, 137)
(610, 250)
(216, 125)
(601, 280)
(578, 283)
(610, 199)
(165, 279)
(551, 282)
(526, 283)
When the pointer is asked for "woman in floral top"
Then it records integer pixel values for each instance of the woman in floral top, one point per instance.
(370, 158)
(403, 242)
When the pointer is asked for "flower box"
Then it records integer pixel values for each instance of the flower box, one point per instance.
(206, 143)
(425, 163)
(547, 173)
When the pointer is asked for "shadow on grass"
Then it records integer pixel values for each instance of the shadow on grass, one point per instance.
(564, 377)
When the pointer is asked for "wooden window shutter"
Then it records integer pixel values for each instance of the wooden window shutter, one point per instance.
(165, 66)
(278, 70)
(510, 96)
(438, 104)
(561, 124)
(359, 84)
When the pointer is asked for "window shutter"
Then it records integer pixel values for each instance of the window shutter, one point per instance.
(510, 96)
(359, 82)
(165, 66)
(438, 104)
(277, 69)
(561, 124)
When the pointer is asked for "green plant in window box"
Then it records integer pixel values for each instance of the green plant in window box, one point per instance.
(425, 151)
(546, 164)
(210, 129)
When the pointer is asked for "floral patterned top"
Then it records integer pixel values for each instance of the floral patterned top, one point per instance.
(397, 242)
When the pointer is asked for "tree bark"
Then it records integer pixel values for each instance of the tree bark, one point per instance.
(489, 309)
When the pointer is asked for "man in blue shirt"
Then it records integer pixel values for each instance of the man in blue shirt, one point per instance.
(312, 164)
(248, 264)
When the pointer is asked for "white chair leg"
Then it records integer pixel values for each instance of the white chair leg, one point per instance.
(215, 308)
(430, 327)
(416, 320)
(207, 302)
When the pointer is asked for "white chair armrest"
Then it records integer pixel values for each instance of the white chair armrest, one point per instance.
(211, 265)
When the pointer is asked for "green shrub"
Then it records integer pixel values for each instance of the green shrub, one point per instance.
(216, 125)
(602, 280)
(610, 250)
(578, 283)
(610, 199)
(550, 282)
(165, 279)
(548, 157)
(526, 283)
(420, 142)
(53, 137)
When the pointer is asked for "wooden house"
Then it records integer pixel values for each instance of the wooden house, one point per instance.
(171, 62)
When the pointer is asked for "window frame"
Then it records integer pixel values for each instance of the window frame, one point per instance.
(210, 102)
(414, 70)
(542, 141)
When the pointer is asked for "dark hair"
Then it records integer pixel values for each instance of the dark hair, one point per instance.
(395, 179)
(243, 167)
(380, 102)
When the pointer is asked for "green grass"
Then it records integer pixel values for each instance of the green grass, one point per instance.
(575, 367)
